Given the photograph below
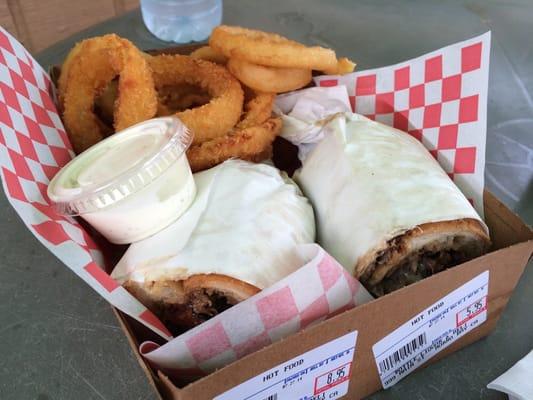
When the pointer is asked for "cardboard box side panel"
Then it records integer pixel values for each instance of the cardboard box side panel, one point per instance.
(505, 227)
(505, 268)
(168, 390)
(483, 331)
(360, 387)
(374, 321)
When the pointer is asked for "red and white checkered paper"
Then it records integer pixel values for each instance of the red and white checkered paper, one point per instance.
(439, 98)
(318, 290)
(33, 147)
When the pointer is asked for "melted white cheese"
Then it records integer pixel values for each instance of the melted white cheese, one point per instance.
(246, 222)
(369, 182)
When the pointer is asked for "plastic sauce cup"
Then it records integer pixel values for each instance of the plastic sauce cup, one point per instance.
(131, 184)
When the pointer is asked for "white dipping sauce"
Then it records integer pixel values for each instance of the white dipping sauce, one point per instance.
(130, 185)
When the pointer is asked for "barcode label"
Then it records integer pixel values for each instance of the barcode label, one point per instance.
(438, 326)
(321, 373)
(403, 353)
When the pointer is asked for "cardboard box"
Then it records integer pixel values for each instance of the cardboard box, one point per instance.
(512, 248)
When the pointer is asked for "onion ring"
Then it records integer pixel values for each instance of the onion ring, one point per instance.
(269, 49)
(218, 116)
(98, 61)
(269, 79)
(65, 68)
(257, 108)
(252, 144)
(344, 66)
(208, 54)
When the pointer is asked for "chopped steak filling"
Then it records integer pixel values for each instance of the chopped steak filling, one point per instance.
(417, 267)
(383, 257)
(428, 260)
(203, 304)
(206, 303)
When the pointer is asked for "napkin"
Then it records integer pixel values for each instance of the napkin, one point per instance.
(517, 382)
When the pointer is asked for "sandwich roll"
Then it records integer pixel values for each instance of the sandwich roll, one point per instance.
(239, 236)
(384, 207)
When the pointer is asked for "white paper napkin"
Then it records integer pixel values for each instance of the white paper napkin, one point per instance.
(518, 381)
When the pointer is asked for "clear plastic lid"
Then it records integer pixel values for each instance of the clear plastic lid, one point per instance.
(119, 166)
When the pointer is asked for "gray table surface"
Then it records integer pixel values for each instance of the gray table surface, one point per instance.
(59, 340)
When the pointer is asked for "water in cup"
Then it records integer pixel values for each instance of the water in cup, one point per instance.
(181, 21)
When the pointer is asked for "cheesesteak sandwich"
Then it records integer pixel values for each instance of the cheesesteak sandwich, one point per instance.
(385, 209)
(239, 237)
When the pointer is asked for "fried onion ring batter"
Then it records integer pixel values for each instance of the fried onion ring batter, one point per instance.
(257, 109)
(269, 49)
(98, 61)
(344, 66)
(65, 68)
(251, 140)
(208, 54)
(252, 144)
(269, 79)
(215, 118)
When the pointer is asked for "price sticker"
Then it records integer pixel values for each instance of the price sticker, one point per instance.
(471, 311)
(332, 378)
(432, 330)
(319, 374)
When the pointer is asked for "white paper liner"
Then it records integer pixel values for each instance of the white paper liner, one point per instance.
(244, 223)
(516, 382)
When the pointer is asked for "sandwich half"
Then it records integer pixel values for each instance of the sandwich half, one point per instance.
(384, 207)
(240, 236)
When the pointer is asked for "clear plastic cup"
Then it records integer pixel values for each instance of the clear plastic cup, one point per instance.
(130, 185)
(181, 21)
